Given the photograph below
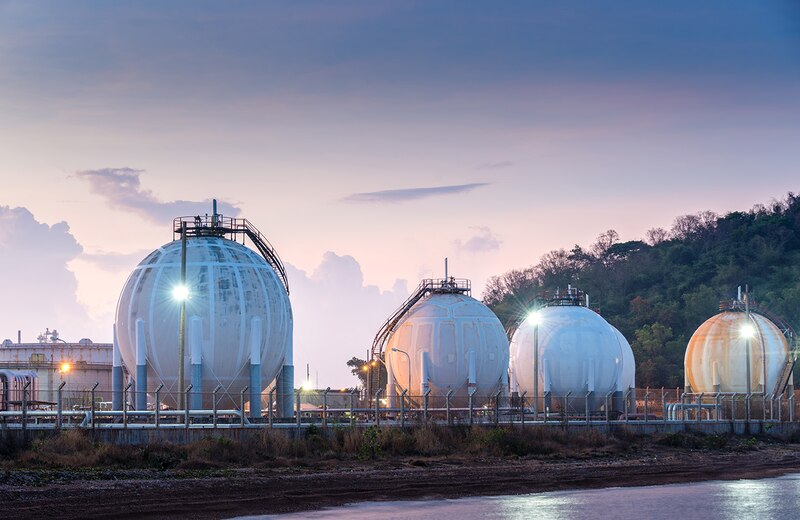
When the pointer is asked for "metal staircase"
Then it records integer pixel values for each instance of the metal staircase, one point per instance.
(230, 228)
(428, 286)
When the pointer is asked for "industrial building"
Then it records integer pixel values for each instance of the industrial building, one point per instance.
(51, 361)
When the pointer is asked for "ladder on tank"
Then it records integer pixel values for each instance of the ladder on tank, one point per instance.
(231, 228)
(428, 286)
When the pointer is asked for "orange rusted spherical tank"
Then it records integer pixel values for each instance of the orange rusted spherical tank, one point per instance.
(717, 357)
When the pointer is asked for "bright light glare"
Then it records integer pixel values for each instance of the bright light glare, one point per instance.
(535, 317)
(747, 330)
(365, 368)
(65, 368)
(308, 385)
(180, 293)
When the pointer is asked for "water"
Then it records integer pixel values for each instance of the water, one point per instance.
(765, 499)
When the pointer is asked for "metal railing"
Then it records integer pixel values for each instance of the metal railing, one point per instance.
(91, 409)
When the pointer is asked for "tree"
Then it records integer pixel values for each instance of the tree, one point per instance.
(357, 369)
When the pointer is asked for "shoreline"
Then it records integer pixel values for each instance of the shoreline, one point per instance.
(330, 483)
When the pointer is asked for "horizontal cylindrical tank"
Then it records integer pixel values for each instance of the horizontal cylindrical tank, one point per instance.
(452, 339)
(727, 346)
(579, 352)
(238, 299)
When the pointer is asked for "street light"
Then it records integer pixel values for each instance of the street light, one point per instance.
(408, 358)
(65, 367)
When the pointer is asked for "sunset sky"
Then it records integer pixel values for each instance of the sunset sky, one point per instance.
(370, 140)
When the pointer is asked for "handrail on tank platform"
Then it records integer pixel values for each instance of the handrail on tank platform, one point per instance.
(230, 227)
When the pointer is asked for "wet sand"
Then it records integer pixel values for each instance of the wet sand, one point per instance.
(228, 493)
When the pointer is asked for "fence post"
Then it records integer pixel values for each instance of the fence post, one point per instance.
(325, 407)
(716, 407)
(425, 399)
(791, 407)
(733, 407)
(186, 406)
(683, 407)
(700, 407)
(522, 407)
(497, 407)
(125, 405)
(565, 410)
(214, 407)
(780, 406)
(241, 406)
(748, 397)
(25, 405)
(471, 394)
(158, 404)
(627, 400)
(663, 404)
(93, 408)
(403, 407)
(297, 409)
(608, 412)
(646, 399)
(352, 407)
(59, 419)
(378, 407)
(764, 406)
(447, 397)
(587, 407)
(270, 414)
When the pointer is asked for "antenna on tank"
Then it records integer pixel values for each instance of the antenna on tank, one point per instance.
(445, 268)
(739, 293)
(214, 213)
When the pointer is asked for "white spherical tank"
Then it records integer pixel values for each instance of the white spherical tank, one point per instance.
(717, 356)
(452, 342)
(236, 304)
(579, 352)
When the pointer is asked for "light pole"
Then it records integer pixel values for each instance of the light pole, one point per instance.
(181, 293)
(535, 317)
(408, 358)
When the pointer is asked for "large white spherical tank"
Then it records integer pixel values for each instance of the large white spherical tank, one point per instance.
(716, 356)
(236, 301)
(579, 351)
(446, 330)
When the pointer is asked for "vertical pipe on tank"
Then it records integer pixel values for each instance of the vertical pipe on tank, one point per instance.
(426, 386)
(715, 376)
(255, 368)
(141, 366)
(284, 384)
(116, 374)
(590, 379)
(196, 349)
(546, 383)
(472, 371)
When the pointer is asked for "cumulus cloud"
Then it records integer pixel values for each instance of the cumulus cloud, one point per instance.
(121, 187)
(482, 240)
(113, 261)
(38, 289)
(408, 194)
(336, 317)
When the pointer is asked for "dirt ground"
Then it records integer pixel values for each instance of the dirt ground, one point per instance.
(227, 493)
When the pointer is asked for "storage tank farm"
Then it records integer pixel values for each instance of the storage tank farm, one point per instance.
(443, 340)
(739, 350)
(221, 304)
(565, 348)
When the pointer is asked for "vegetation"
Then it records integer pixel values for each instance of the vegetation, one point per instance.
(657, 291)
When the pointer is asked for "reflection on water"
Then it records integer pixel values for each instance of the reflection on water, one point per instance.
(767, 499)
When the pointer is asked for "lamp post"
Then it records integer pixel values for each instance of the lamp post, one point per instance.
(408, 358)
(181, 293)
(535, 317)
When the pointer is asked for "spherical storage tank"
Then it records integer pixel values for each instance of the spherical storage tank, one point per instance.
(237, 305)
(717, 356)
(579, 352)
(453, 342)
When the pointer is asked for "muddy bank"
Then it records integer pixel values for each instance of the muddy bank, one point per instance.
(304, 485)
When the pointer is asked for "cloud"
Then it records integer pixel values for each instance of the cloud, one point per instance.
(113, 261)
(495, 165)
(38, 289)
(483, 240)
(336, 317)
(412, 193)
(121, 188)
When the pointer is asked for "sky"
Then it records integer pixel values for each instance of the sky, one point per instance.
(370, 140)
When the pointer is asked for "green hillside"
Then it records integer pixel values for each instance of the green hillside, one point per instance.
(657, 291)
